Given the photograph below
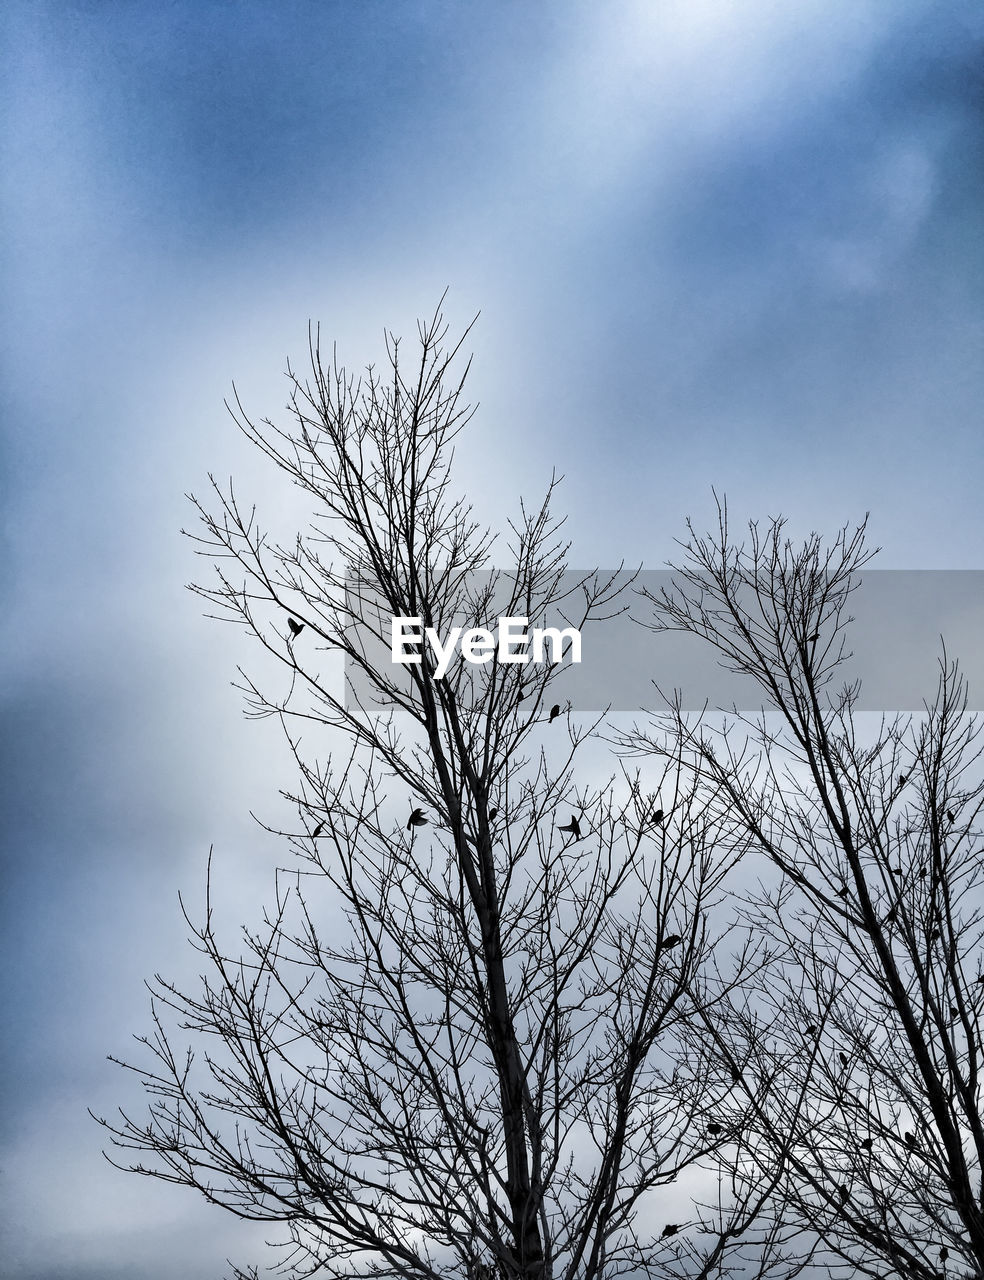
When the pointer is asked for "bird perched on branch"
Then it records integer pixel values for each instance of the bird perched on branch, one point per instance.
(574, 827)
(670, 1229)
(714, 1128)
(656, 818)
(950, 817)
(318, 829)
(416, 819)
(671, 940)
(554, 712)
(295, 628)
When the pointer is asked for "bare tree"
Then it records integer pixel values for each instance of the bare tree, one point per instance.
(864, 1039)
(481, 1075)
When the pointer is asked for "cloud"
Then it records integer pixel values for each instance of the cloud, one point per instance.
(711, 244)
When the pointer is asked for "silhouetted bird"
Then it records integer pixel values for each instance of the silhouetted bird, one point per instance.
(713, 1129)
(735, 1076)
(896, 871)
(318, 829)
(554, 712)
(902, 779)
(954, 1011)
(672, 940)
(811, 1030)
(844, 1059)
(842, 893)
(416, 819)
(670, 1229)
(867, 1144)
(574, 827)
(812, 639)
(935, 936)
(657, 818)
(950, 817)
(520, 696)
(844, 1190)
(909, 1139)
(980, 978)
(922, 873)
(493, 814)
(944, 1253)
(295, 627)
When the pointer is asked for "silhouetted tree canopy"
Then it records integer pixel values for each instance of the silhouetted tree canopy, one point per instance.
(725, 1020)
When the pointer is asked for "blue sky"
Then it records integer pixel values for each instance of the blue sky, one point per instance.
(712, 244)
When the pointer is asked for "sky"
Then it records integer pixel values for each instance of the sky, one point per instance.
(714, 246)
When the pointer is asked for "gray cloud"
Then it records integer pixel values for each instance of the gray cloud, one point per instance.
(706, 250)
